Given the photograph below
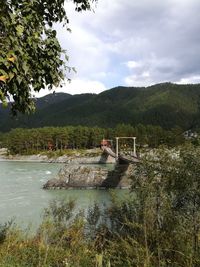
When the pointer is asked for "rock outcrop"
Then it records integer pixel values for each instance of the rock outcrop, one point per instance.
(88, 177)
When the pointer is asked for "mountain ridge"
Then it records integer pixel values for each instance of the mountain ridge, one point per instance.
(165, 104)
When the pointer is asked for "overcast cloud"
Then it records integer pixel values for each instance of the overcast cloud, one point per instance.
(133, 43)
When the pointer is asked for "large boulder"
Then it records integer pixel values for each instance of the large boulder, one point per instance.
(82, 176)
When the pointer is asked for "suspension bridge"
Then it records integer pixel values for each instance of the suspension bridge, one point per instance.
(122, 157)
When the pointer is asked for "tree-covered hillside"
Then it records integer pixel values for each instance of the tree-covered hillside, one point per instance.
(167, 105)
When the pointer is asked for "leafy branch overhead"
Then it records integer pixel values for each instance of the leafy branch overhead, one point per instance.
(30, 53)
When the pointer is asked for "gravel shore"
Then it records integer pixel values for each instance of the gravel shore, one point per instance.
(76, 158)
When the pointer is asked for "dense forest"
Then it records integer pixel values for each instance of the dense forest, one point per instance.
(167, 105)
(29, 141)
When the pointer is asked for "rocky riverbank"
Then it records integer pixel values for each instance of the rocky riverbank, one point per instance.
(90, 156)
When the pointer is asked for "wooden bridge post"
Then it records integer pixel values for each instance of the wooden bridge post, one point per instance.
(134, 146)
(117, 148)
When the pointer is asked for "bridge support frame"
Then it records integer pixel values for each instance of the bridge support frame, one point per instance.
(124, 137)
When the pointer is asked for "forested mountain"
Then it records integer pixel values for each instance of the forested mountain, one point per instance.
(165, 104)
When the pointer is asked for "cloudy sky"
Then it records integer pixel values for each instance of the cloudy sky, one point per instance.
(132, 43)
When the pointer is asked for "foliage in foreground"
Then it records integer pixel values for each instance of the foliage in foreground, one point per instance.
(31, 56)
(157, 224)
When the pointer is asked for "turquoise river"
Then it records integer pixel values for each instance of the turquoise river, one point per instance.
(23, 199)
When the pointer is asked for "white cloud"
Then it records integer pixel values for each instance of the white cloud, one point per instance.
(150, 70)
(133, 42)
(76, 86)
(138, 81)
(192, 79)
(83, 86)
(133, 64)
(146, 74)
(87, 51)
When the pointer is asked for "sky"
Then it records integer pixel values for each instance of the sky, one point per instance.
(131, 43)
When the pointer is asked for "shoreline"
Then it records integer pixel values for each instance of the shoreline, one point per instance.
(32, 158)
(92, 156)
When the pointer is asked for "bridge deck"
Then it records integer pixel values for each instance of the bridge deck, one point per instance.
(128, 158)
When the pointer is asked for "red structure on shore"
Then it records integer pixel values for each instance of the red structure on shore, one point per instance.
(105, 142)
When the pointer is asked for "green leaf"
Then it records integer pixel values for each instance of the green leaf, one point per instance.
(25, 68)
(20, 30)
(19, 79)
(11, 75)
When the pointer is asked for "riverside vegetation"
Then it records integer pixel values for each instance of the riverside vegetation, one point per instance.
(156, 224)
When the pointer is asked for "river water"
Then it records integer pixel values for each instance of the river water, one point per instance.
(22, 196)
